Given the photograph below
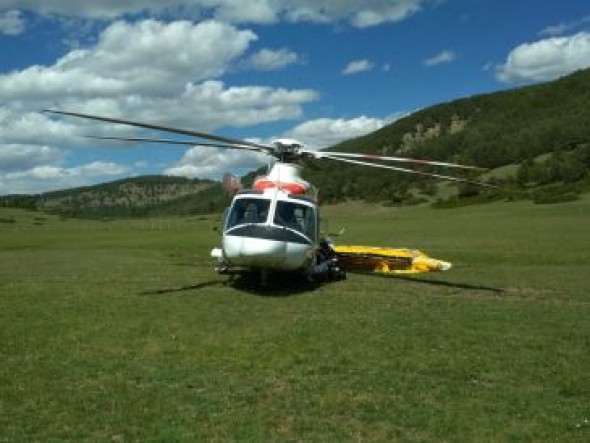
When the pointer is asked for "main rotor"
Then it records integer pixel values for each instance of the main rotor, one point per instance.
(284, 150)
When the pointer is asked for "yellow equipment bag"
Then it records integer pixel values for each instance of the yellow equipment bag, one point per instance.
(387, 260)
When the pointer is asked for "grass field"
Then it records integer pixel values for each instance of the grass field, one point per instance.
(121, 331)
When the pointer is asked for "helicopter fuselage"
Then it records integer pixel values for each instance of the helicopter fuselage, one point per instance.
(272, 226)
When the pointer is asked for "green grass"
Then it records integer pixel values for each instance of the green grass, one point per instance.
(121, 331)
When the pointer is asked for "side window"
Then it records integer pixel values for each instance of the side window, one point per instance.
(301, 218)
(311, 223)
(285, 215)
(224, 218)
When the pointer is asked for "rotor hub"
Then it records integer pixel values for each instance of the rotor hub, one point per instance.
(287, 149)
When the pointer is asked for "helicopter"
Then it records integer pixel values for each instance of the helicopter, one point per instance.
(275, 225)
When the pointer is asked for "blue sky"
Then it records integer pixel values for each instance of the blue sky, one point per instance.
(320, 71)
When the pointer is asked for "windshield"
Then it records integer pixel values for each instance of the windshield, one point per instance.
(296, 216)
(248, 210)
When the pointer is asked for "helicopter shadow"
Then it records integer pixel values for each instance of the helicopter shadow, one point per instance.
(277, 285)
(445, 283)
(182, 289)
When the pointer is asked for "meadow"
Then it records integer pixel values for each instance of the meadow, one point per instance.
(122, 331)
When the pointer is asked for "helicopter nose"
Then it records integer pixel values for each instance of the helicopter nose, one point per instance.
(251, 251)
(263, 250)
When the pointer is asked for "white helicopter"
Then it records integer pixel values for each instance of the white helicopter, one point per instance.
(275, 225)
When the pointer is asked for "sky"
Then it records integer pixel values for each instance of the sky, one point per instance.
(319, 71)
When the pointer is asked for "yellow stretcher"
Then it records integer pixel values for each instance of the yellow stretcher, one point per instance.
(387, 260)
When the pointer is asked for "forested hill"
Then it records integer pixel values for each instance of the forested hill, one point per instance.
(542, 130)
(535, 140)
(132, 197)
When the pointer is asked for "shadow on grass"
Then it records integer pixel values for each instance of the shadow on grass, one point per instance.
(446, 283)
(277, 285)
(186, 288)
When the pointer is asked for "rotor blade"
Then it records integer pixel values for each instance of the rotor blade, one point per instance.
(219, 138)
(320, 154)
(174, 142)
(410, 171)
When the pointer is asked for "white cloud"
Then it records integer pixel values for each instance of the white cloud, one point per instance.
(314, 134)
(25, 128)
(562, 28)
(555, 30)
(214, 105)
(150, 71)
(359, 13)
(164, 72)
(445, 56)
(155, 71)
(99, 168)
(206, 163)
(546, 59)
(50, 177)
(16, 157)
(233, 11)
(324, 132)
(268, 60)
(147, 57)
(357, 66)
(11, 23)
(383, 12)
(91, 169)
(88, 9)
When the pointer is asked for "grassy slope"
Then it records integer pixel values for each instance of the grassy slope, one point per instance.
(500, 131)
(121, 331)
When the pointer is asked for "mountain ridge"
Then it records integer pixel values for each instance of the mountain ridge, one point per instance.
(542, 131)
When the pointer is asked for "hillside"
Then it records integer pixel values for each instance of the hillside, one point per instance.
(515, 127)
(535, 140)
(132, 197)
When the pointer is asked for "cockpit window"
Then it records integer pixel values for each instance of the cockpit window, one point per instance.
(302, 218)
(248, 210)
